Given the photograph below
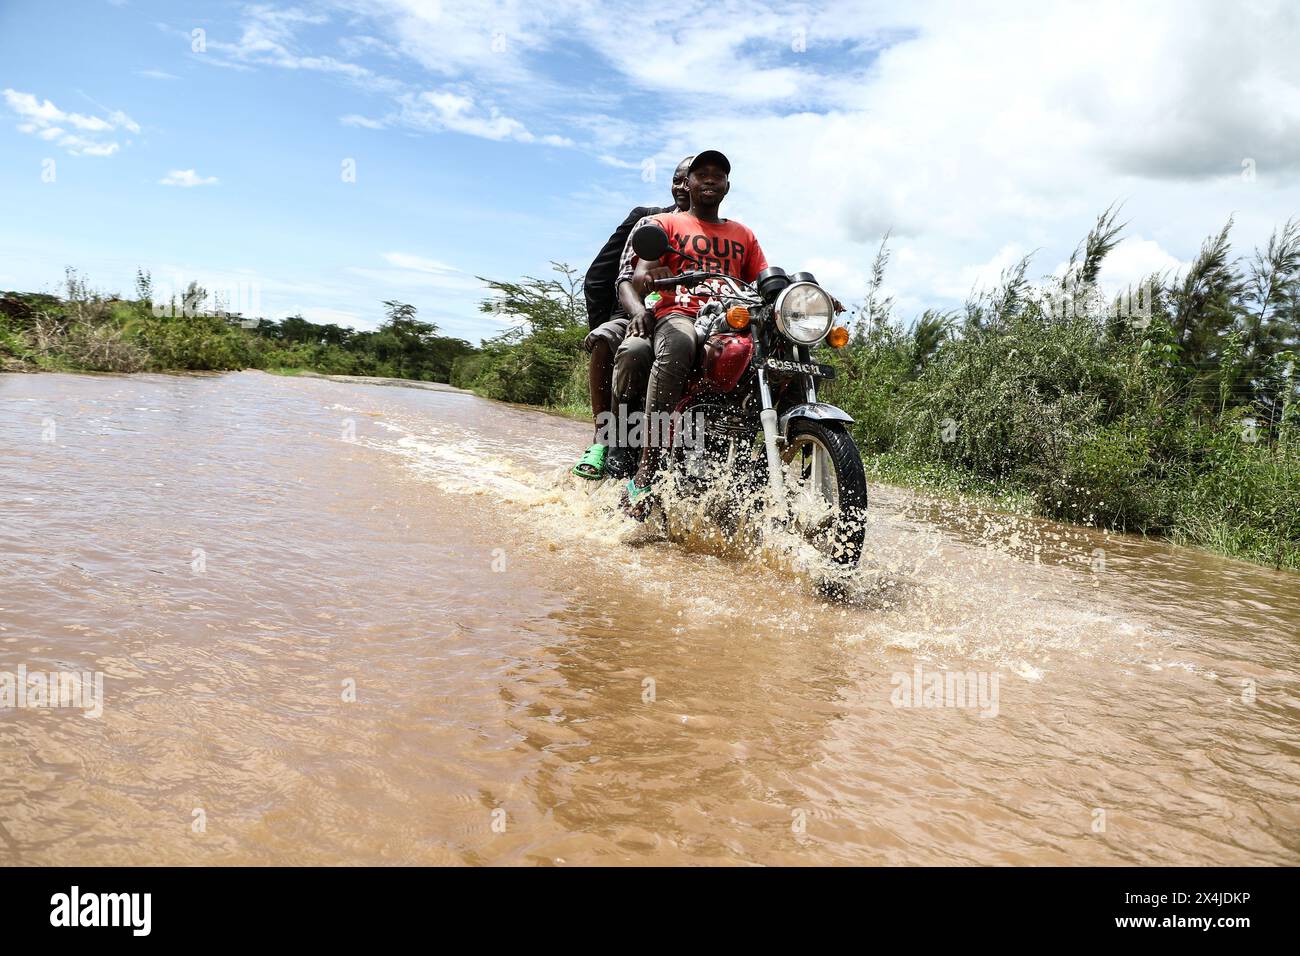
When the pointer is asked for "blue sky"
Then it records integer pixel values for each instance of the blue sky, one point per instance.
(491, 137)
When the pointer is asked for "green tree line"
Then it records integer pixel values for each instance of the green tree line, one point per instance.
(85, 331)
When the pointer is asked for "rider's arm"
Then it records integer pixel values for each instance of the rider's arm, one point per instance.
(626, 265)
(634, 283)
(631, 295)
(644, 276)
(627, 298)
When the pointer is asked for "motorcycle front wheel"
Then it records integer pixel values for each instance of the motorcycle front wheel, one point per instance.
(827, 488)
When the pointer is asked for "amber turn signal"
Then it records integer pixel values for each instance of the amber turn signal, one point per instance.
(738, 317)
(838, 337)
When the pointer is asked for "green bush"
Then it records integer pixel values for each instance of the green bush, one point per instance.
(1135, 422)
(206, 343)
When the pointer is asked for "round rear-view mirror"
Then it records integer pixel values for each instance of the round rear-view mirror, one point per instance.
(650, 242)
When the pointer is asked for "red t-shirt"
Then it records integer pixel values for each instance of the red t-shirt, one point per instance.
(728, 247)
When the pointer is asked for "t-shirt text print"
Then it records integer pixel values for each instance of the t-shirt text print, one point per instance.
(728, 247)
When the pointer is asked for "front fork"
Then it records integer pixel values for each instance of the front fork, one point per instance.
(768, 417)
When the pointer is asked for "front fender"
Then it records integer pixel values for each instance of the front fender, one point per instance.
(821, 411)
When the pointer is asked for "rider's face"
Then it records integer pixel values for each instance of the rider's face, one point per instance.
(681, 195)
(708, 185)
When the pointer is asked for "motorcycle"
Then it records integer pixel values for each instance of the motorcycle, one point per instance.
(756, 379)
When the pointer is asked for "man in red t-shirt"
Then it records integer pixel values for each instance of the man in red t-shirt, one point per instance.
(660, 348)
(607, 326)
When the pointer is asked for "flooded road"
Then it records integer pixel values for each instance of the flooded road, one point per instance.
(345, 623)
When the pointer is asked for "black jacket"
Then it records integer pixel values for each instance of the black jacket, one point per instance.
(598, 286)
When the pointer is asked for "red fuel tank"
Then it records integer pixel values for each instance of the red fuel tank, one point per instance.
(726, 356)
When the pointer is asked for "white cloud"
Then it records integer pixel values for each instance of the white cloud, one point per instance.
(358, 46)
(412, 276)
(90, 123)
(973, 133)
(186, 178)
(444, 293)
(616, 162)
(269, 37)
(41, 118)
(41, 112)
(458, 112)
(490, 39)
(275, 37)
(1135, 259)
(354, 119)
(979, 134)
(405, 260)
(99, 149)
(982, 276)
(118, 118)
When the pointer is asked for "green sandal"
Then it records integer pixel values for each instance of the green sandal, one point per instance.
(592, 465)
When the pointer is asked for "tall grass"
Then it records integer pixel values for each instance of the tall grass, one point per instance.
(1174, 414)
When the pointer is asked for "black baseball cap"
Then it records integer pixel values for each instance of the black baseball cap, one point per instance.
(710, 156)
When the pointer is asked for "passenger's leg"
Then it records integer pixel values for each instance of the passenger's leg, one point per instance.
(600, 371)
(632, 364)
(600, 343)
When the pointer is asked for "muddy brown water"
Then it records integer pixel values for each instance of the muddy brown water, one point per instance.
(537, 681)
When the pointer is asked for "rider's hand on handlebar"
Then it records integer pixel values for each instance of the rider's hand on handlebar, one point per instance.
(646, 276)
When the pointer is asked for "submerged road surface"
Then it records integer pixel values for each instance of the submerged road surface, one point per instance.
(343, 623)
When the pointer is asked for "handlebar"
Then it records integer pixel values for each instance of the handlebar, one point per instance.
(692, 278)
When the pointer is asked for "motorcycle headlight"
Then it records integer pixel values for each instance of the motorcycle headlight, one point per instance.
(804, 313)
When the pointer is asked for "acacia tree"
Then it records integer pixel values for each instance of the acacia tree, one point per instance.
(414, 349)
(403, 341)
(532, 359)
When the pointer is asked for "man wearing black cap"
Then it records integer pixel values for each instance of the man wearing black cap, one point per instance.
(607, 321)
(659, 351)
